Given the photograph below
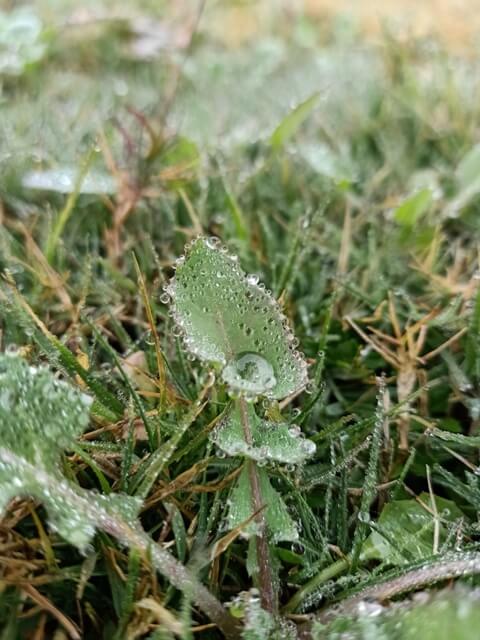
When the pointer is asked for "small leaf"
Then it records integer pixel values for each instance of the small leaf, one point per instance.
(412, 209)
(468, 170)
(40, 416)
(279, 522)
(292, 121)
(270, 441)
(258, 623)
(183, 152)
(467, 177)
(66, 180)
(408, 529)
(22, 40)
(227, 318)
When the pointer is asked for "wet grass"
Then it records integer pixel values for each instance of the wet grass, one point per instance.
(359, 209)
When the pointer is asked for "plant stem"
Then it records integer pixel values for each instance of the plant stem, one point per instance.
(326, 574)
(455, 565)
(132, 537)
(265, 578)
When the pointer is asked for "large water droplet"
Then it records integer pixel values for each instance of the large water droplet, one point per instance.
(249, 373)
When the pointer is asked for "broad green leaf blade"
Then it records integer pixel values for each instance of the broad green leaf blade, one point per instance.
(292, 121)
(39, 417)
(271, 442)
(227, 318)
(408, 530)
(279, 522)
(413, 208)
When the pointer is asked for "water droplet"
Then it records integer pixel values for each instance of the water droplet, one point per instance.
(249, 373)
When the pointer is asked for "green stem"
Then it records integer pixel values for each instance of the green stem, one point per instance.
(326, 574)
(265, 577)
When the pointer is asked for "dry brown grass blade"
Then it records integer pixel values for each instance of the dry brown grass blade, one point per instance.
(444, 345)
(216, 486)
(151, 321)
(123, 204)
(48, 551)
(222, 545)
(45, 604)
(41, 268)
(180, 482)
(388, 355)
(191, 212)
(163, 616)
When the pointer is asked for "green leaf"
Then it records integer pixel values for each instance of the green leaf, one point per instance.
(450, 614)
(467, 177)
(413, 208)
(183, 151)
(69, 180)
(292, 122)
(406, 530)
(468, 170)
(40, 416)
(270, 441)
(279, 522)
(22, 39)
(258, 624)
(227, 318)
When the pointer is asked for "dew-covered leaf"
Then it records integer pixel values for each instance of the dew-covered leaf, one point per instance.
(258, 624)
(40, 416)
(408, 530)
(270, 441)
(279, 522)
(66, 180)
(445, 615)
(227, 318)
(22, 40)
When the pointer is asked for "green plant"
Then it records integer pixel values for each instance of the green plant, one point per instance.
(22, 41)
(40, 417)
(230, 321)
(227, 320)
(359, 206)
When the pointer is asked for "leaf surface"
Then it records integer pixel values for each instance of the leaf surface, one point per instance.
(227, 318)
(270, 441)
(279, 522)
(40, 416)
(406, 530)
